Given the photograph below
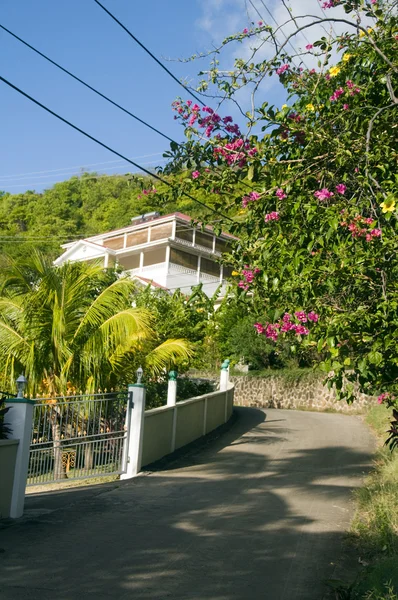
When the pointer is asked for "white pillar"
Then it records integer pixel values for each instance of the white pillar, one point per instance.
(224, 376)
(135, 432)
(20, 418)
(172, 389)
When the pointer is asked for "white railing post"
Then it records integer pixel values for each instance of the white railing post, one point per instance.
(224, 376)
(135, 433)
(172, 389)
(20, 419)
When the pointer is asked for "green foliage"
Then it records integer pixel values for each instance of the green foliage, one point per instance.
(322, 168)
(186, 388)
(79, 207)
(4, 429)
(73, 328)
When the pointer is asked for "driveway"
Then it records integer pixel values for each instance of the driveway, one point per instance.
(258, 513)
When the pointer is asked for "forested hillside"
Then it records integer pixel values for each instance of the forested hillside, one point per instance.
(79, 207)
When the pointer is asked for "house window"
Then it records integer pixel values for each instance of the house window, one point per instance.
(154, 257)
(115, 243)
(161, 232)
(130, 262)
(179, 257)
(227, 272)
(183, 233)
(137, 238)
(222, 246)
(204, 239)
(210, 267)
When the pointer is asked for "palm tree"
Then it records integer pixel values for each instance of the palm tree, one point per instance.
(74, 326)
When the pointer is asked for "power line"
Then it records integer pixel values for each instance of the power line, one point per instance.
(106, 162)
(279, 27)
(148, 52)
(90, 87)
(137, 165)
(70, 175)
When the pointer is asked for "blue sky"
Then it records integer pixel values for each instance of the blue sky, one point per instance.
(81, 37)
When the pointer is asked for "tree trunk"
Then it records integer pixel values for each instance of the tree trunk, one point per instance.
(59, 468)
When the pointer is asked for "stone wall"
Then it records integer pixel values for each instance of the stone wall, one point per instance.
(286, 391)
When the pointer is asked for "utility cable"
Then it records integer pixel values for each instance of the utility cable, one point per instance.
(90, 87)
(279, 27)
(148, 52)
(138, 166)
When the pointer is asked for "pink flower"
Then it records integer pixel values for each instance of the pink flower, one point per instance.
(356, 170)
(309, 47)
(346, 106)
(259, 328)
(383, 397)
(327, 76)
(328, 4)
(341, 188)
(375, 233)
(323, 194)
(282, 69)
(195, 174)
(349, 84)
(245, 30)
(272, 216)
(312, 316)
(336, 94)
(271, 332)
(227, 120)
(301, 330)
(301, 316)
(260, 23)
(280, 194)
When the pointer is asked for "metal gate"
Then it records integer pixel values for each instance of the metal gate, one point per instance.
(77, 437)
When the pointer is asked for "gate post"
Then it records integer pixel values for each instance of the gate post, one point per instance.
(20, 419)
(172, 389)
(224, 376)
(135, 433)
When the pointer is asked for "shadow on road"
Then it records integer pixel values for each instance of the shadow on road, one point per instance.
(257, 513)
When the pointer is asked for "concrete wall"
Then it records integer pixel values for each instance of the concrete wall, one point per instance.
(8, 455)
(171, 427)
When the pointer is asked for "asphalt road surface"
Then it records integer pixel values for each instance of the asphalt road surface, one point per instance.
(258, 512)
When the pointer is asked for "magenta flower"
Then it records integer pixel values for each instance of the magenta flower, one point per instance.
(282, 69)
(346, 106)
(323, 194)
(260, 23)
(272, 216)
(309, 47)
(341, 188)
(259, 328)
(349, 84)
(195, 174)
(375, 233)
(280, 194)
(245, 30)
(336, 95)
(312, 316)
(301, 316)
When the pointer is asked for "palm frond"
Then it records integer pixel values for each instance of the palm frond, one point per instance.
(166, 355)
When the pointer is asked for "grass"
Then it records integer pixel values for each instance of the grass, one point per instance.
(374, 530)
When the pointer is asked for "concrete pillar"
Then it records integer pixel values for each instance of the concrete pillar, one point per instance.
(224, 376)
(172, 389)
(135, 430)
(20, 418)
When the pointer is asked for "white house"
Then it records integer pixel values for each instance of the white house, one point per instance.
(165, 251)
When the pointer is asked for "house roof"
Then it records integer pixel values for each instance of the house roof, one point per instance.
(122, 230)
(73, 246)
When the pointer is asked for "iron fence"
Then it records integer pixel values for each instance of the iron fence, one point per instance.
(77, 437)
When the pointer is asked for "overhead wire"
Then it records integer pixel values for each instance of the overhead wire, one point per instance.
(277, 24)
(87, 85)
(135, 164)
(149, 52)
(106, 162)
(99, 174)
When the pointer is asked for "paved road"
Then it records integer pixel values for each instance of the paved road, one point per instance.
(258, 513)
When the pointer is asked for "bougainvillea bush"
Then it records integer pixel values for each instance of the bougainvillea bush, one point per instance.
(311, 185)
